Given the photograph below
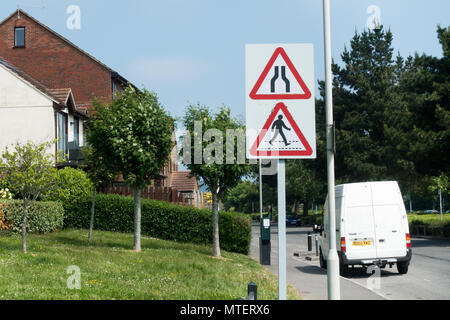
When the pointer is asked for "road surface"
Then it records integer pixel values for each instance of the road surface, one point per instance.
(428, 277)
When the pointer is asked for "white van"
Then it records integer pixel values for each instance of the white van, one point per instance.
(371, 227)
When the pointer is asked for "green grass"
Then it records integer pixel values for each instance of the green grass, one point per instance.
(164, 270)
(431, 219)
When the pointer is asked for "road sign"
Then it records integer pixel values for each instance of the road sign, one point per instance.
(281, 136)
(266, 88)
(280, 73)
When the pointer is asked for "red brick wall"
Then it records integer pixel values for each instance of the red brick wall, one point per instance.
(53, 62)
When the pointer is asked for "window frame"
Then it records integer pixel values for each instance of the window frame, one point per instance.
(15, 37)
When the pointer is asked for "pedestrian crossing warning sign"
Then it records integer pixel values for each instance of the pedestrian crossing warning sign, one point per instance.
(280, 80)
(280, 136)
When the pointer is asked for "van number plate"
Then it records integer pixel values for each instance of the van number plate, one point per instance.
(362, 243)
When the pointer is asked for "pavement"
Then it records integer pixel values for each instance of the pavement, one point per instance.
(428, 277)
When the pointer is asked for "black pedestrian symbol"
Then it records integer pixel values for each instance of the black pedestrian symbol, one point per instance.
(278, 126)
(283, 76)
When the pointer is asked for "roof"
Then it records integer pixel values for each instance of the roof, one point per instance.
(114, 74)
(59, 96)
(182, 181)
(62, 94)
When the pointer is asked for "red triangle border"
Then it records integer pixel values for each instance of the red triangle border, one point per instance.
(303, 96)
(254, 149)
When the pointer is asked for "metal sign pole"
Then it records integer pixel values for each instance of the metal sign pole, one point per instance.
(260, 193)
(281, 230)
(334, 292)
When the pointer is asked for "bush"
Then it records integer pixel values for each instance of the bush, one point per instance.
(43, 217)
(165, 221)
(72, 187)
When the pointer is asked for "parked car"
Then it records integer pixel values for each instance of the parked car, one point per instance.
(371, 227)
(431, 211)
(292, 220)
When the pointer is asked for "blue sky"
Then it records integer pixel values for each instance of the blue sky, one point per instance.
(191, 51)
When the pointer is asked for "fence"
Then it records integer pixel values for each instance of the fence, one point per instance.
(195, 198)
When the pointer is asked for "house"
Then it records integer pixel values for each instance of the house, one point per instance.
(187, 185)
(29, 111)
(67, 75)
(56, 62)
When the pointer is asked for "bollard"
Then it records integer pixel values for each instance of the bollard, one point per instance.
(252, 290)
(317, 245)
(309, 241)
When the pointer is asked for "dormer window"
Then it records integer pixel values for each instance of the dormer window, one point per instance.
(19, 37)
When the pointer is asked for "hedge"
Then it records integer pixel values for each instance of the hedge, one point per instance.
(72, 186)
(164, 220)
(43, 217)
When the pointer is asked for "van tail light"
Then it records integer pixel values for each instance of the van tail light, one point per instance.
(408, 241)
(343, 247)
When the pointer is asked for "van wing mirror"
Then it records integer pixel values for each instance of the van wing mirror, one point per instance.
(318, 229)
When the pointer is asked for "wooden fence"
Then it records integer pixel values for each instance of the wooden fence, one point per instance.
(158, 193)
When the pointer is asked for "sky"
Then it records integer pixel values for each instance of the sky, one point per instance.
(190, 51)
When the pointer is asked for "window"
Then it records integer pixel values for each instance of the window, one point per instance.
(19, 37)
(76, 131)
(62, 135)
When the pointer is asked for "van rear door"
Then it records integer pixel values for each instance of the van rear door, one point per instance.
(388, 212)
(358, 222)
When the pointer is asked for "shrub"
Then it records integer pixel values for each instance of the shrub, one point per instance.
(72, 187)
(446, 230)
(165, 221)
(43, 217)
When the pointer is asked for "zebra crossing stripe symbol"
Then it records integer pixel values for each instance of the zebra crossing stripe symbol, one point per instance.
(280, 136)
(280, 70)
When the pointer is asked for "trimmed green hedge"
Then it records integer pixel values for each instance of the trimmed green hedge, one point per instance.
(165, 221)
(72, 186)
(43, 217)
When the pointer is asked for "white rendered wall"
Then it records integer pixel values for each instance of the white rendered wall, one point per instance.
(25, 112)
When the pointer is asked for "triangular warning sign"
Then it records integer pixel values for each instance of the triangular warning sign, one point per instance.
(290, 83)
(280, 137)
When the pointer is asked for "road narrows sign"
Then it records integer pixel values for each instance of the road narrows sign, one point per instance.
(281, 136)
(279, 64)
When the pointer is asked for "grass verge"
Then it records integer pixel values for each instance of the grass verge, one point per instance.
(164, 270)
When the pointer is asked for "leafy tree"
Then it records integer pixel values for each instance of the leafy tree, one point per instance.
(132, 136)
(29, 168)
(302, 184)
(242, 196)
(218, 167)
(99, 175)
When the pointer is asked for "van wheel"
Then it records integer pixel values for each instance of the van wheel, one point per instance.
(323, 263)
(402, 267)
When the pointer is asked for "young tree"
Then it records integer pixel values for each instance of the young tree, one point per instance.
(132, 136)
(220, 165)
(99, 175)
(29, 168)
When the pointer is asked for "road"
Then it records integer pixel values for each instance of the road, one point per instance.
(428, 277)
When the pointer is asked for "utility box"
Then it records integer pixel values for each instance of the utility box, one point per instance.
(264, 242)
(265, 229)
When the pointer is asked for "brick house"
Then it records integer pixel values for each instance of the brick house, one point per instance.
(60, 67)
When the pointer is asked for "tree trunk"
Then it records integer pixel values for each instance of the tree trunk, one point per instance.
(305, 208)
(137, 219)
(24, 226)
(215, 221)
(91, 224)
(294, 207)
